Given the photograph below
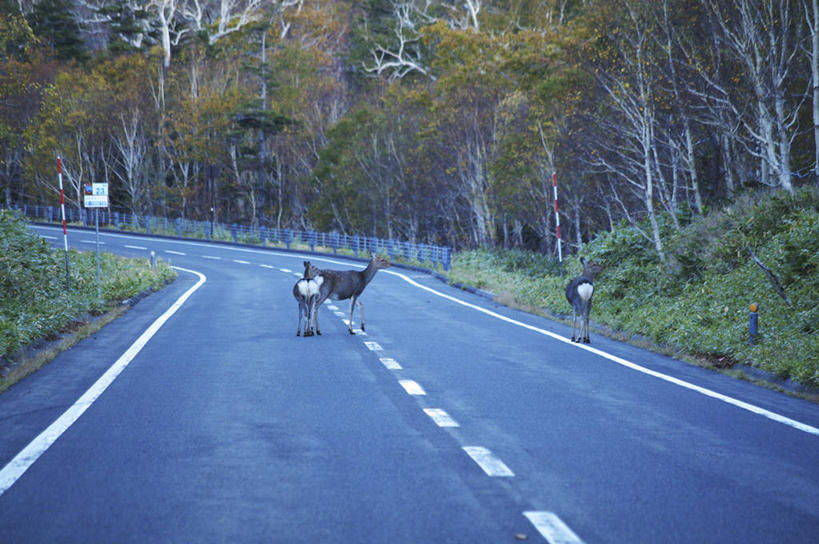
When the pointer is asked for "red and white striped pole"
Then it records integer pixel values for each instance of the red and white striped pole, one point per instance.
(65, 232)
(557, 222)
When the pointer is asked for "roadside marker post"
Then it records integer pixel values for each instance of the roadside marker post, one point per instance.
(753, 322)
(557, 222)
(65, 232)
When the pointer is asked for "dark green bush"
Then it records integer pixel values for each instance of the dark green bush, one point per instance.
(34, 300)
(698, 301)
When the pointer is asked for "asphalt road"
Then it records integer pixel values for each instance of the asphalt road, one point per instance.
(200, 416)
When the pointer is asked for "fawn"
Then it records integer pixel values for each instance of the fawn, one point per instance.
(305, 292)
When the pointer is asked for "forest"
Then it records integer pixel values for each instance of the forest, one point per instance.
(431, 121)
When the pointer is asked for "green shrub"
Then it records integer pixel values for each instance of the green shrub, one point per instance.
(34, 300)
(697, 302)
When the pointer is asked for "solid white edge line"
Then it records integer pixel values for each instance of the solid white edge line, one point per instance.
(552, 528)
(628, 364)
(27, 457)
(487, 460)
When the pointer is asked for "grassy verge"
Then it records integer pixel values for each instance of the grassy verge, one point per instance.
(37, 307)
(695, 302)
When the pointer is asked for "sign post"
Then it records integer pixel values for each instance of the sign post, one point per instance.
(96, 196)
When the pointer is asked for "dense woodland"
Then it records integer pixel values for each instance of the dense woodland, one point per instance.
(433, 121)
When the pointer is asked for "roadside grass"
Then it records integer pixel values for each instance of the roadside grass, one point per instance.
(695, 304)
(38, 310)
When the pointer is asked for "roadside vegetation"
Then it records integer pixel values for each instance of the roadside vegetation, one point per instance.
(696, 303)
(35, 304)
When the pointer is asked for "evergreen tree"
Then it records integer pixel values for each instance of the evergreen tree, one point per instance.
(127, 26)
(53, 22)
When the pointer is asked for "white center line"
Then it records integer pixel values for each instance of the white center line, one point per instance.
(239, 261)
(91, 242)
(285, 270)
(49, 237)
(136, 247)
(552, 528)
(390, 363)
(488, 462)
(412, 387)
(212, 257)
(172, 252)
(265, 266)
(373, 346)
(440, 417)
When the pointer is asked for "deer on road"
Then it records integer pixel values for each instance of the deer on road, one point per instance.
(347, 284)
(305, 292)
(579, 293)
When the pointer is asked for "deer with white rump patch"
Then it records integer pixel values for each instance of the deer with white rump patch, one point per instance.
(579, 293)
(344, 284)
(305, 292)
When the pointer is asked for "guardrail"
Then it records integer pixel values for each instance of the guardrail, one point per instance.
(251, 235)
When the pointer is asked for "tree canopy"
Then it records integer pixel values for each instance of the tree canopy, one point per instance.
(431, 121)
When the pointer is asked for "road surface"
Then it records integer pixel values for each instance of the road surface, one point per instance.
(200, 416)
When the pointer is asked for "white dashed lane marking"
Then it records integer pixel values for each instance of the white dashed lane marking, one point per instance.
(490, 464)
(440, 417)
(373, 346)
(552, 528)
(211, 257)
(412, 387)
(172, 252)
(390, 363)
(143, 248)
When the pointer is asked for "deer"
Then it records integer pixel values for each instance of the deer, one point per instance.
(579, 293)
(347, 284)
(305, 292)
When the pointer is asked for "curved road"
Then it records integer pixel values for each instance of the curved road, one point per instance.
(199, 416)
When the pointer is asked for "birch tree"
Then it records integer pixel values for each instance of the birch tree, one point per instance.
(765, 38)
(631, 88)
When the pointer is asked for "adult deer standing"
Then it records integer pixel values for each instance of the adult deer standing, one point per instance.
(579, 293)
(305, 292)
(344, 284)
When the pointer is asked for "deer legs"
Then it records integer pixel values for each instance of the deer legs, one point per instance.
(353, 302)
(580, 321)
